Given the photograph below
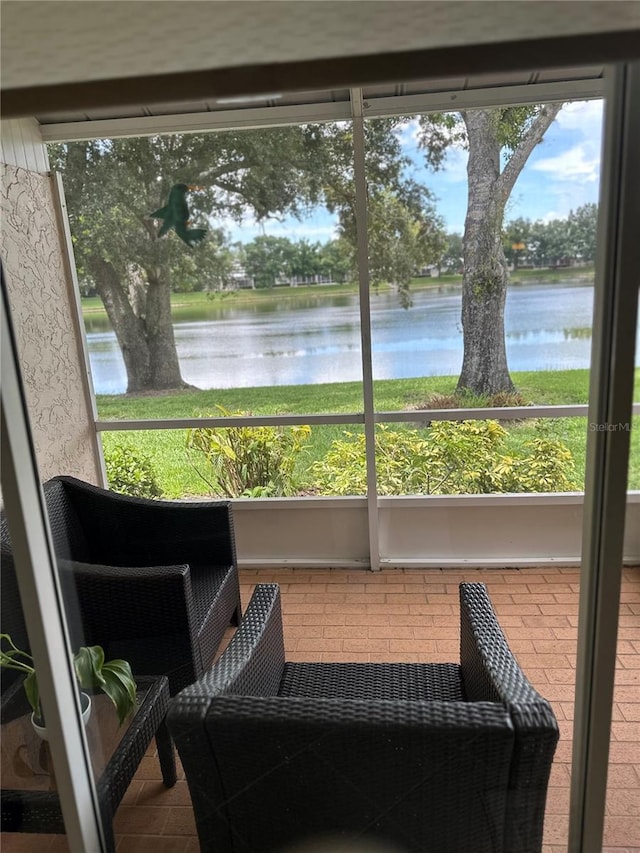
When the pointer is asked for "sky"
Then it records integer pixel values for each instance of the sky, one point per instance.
(562, 173)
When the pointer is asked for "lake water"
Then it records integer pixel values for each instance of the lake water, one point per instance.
(548, 327)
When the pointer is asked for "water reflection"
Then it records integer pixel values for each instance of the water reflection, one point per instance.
(229, 345)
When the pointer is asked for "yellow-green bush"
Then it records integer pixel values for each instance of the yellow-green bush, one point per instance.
(450, 457)
(243, 461)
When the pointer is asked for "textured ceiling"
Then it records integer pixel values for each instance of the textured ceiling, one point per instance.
(48, 41)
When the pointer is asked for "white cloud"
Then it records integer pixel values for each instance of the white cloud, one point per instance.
(301, 230)
(585, 116)
(455, 167)
(312, 229)
(409, 134)
(578, 162)
(551, 215)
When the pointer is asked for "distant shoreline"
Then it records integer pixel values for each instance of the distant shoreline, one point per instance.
(92, 306)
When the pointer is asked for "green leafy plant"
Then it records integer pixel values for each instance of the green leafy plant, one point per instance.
(450, 457)
(113, 677)
(546, 466)
(131, 472)
(243, 461)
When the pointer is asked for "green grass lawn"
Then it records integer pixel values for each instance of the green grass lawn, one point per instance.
(554, 387)
(166, 448)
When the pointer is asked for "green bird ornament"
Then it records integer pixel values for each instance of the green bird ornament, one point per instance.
(175, 214)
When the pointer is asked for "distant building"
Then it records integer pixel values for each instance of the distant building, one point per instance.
(430, 271)
(240, 279)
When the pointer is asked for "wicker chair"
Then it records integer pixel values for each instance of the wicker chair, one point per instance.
(154, 582)
(405, 757)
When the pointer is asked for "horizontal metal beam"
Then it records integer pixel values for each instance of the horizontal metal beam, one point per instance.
(251, 118)
(251, 421)
(238, 119)
(500, 414)
(466, 99)
(485, 413)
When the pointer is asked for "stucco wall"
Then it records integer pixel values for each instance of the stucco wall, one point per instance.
(43, 312)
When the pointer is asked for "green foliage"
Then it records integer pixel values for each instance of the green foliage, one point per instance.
(583, 228)
(546, 466)
(452, 260)
(272, 260)
(113, 677)
(241, 461)
(112, 186)
(268, 258)
(404, 234)
(516, 241)
(514, 122)
(337, 260)
(450, 457)
(438, 131)
(131, 472)
(404, 231)
(547, 243)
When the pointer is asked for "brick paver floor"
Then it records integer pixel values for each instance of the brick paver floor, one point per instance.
(412, 615)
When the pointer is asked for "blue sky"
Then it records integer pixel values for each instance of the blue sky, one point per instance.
(561, 174)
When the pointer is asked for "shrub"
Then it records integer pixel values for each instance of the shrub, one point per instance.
(131, 472)
(466, 400)
(502, 399)
(465, 457)
(547, 466)
(246, 461)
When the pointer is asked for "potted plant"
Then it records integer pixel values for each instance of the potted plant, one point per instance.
(113, 677)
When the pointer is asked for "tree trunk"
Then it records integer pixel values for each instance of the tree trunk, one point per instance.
(163, 357)
(129, 329)
(484, 283)
(146, 334)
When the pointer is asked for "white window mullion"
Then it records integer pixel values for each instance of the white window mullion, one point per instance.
(360, 178)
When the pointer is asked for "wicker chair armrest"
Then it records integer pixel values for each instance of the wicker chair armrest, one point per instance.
(124, 574)
(124, 530)
(489, 670)
(107, 601)
(253, 662)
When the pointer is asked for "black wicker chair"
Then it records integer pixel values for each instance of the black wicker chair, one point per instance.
(419, 758)
(154, 582)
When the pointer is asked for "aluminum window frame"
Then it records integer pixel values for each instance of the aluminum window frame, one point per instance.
(609, 397)
(43, 607)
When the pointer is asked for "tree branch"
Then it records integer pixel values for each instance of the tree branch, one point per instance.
(531, 138)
